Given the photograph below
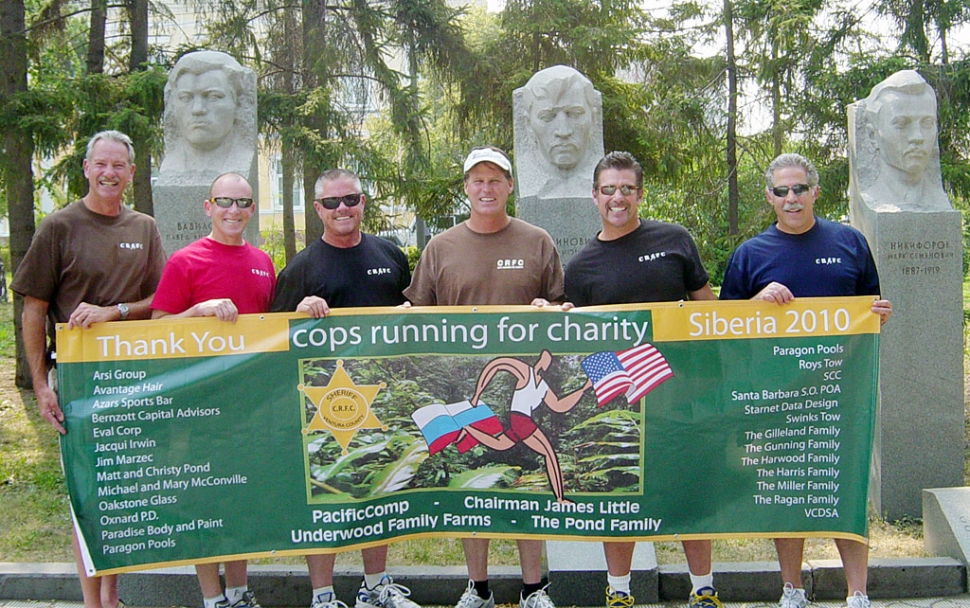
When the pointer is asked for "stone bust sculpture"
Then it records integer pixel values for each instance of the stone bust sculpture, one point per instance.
(209, 118)
(558, 133)
(897, 153)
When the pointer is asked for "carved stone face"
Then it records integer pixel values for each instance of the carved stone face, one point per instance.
(205, 108)
(905, 131)
(562, 126)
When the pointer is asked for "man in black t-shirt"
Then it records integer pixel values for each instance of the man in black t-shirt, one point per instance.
(632, 260)
(346, 268)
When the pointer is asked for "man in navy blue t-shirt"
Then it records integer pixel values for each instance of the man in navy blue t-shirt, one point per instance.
(802, 255)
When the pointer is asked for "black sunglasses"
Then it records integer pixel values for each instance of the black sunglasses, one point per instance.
(225, 202)
(332, 202)
(798, 189)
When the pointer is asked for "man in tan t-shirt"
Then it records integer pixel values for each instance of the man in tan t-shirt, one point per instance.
(491, 259)
(92, 261)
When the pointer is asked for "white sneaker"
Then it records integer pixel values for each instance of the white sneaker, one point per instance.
(792, 598)
(387, 594)
(471, 599)
(857, 600)
(327, 600)
(537, 599)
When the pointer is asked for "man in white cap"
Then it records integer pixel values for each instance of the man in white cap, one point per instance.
(491, 258)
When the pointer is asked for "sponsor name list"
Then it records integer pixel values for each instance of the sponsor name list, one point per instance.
(134, 479)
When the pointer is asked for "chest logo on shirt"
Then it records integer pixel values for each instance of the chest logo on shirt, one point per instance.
(343, 407)
(260, 273)
(378, 271)
(510, 264)
(131, 245)
(827, 261)
(649, 257)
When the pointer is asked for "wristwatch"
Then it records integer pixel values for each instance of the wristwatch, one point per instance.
(123, 309)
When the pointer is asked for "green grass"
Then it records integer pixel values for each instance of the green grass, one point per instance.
(33, 499)
(8, 346)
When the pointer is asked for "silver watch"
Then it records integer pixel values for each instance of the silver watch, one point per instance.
(123, 309)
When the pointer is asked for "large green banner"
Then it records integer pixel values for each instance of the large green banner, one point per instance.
(195, 440)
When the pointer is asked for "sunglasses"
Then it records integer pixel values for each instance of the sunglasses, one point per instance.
(332, 202)
(225, 202)
(798, 189)
(611, 190)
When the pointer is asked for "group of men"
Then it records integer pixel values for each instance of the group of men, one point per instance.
(97, 261)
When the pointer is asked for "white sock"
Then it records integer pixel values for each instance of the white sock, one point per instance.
(323, 594)
(619, 584)
(234, 594)
(701, 581)
(373, 580)
(210, 602)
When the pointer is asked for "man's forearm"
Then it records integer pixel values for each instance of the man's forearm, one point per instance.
(140, 309)
(34, 333)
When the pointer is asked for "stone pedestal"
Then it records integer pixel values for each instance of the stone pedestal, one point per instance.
(946, 522)
(181, 218)
(570, 221)
(577, 573)
(919, 430)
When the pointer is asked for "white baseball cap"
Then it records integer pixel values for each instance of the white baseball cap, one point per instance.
(481, 155)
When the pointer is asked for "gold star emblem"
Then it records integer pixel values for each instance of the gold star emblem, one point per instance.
(343, 407)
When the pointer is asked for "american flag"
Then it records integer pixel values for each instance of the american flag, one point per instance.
(634, 372)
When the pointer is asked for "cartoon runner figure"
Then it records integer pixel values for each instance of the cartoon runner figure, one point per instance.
(531, 391)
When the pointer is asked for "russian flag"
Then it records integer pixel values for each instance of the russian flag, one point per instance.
(441, 424)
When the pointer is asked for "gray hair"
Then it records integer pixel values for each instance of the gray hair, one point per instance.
(117, 136)
(333, 175)
(791, 160)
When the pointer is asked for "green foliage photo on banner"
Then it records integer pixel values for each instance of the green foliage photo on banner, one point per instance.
(193, 440)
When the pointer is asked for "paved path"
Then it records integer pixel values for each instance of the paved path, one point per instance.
(956, 601)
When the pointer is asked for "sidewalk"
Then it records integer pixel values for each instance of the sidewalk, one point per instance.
(961, 601)
(936, 582)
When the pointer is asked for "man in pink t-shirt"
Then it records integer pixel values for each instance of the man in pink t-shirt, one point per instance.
(222, 276)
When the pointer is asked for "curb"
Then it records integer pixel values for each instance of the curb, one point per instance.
(290, 585)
